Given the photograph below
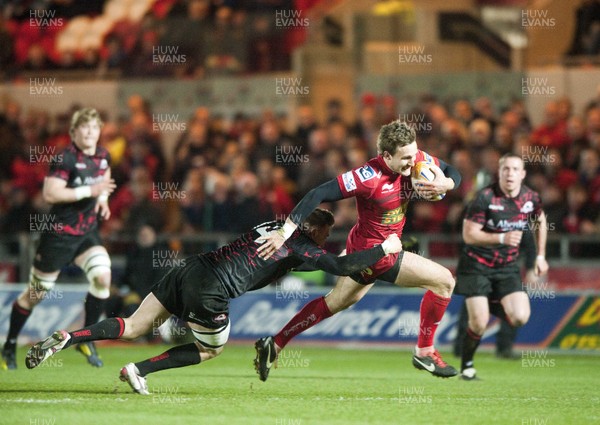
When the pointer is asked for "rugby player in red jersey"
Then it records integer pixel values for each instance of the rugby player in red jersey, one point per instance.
(488, 270)
(77, 187)
(383, 189)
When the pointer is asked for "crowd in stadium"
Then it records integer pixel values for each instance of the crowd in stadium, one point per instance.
(230, 174)
(235, 37)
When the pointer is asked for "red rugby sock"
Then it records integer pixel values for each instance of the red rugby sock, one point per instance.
(433, 308)
(311, 314)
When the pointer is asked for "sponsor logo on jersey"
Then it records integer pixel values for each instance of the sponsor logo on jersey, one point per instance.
(103, 164)
(496, 207)
(365, 173)
(80, 166)
(349, 182)
(527, 207)
(507, 225)
(394, 216)
(388, 187)
(77, 181)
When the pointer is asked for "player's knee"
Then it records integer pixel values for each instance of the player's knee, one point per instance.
(38, 286)
(446, 283)
(519, 318)
(38, 283)
(211, 342)
(478, 325)
(97, 271)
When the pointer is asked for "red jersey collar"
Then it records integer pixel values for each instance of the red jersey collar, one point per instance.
(384, 168)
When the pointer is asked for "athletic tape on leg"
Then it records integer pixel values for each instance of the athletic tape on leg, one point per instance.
(214, 338)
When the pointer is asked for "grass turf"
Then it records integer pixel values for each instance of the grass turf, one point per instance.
(310, 386)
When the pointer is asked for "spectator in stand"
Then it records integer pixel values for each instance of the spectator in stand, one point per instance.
(463, 112)
(593, 127)
(553, 132)
(133, 205)
(192, 145)
(366, 127)
(551, 164)
(589, 174)
(250, 209)
(454, 135)
(577, 141)
(554, 206)
(306, 124)
(338, 137)
(271, 193)
(580, 215)
(485, 109)
(480, 136)
(503, 139)
(313, 173)
(462, 161)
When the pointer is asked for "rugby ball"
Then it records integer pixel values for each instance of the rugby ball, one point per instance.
(421, 172)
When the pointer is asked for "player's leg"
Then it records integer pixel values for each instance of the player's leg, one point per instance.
(39, 283)
(95, 263)
(209, 344)
(151, 313)
(517, 308)
(479, 316)
(417, 271)
(346, 292)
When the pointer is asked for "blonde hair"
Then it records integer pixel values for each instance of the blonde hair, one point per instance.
(394, 135)
(84, 116)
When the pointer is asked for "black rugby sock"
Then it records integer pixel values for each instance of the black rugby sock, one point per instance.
(470, 344)
(111, 328)
(180, 356)
(93, 309)
(18, 317)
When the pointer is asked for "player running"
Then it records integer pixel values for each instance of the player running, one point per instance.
(382, 188)
(77, 187)
(199, 293)
(488, 267)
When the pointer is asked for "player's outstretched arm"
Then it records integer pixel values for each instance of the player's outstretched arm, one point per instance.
(327, 192)
(55, 190)
(346, 265)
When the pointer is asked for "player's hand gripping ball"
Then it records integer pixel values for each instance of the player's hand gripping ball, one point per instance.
(421, 172)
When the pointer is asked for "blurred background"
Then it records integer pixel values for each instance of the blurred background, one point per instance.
(221, 114)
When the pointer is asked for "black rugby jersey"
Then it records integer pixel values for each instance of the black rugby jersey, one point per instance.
(238, 266)
(78, 169)
(498, 213)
